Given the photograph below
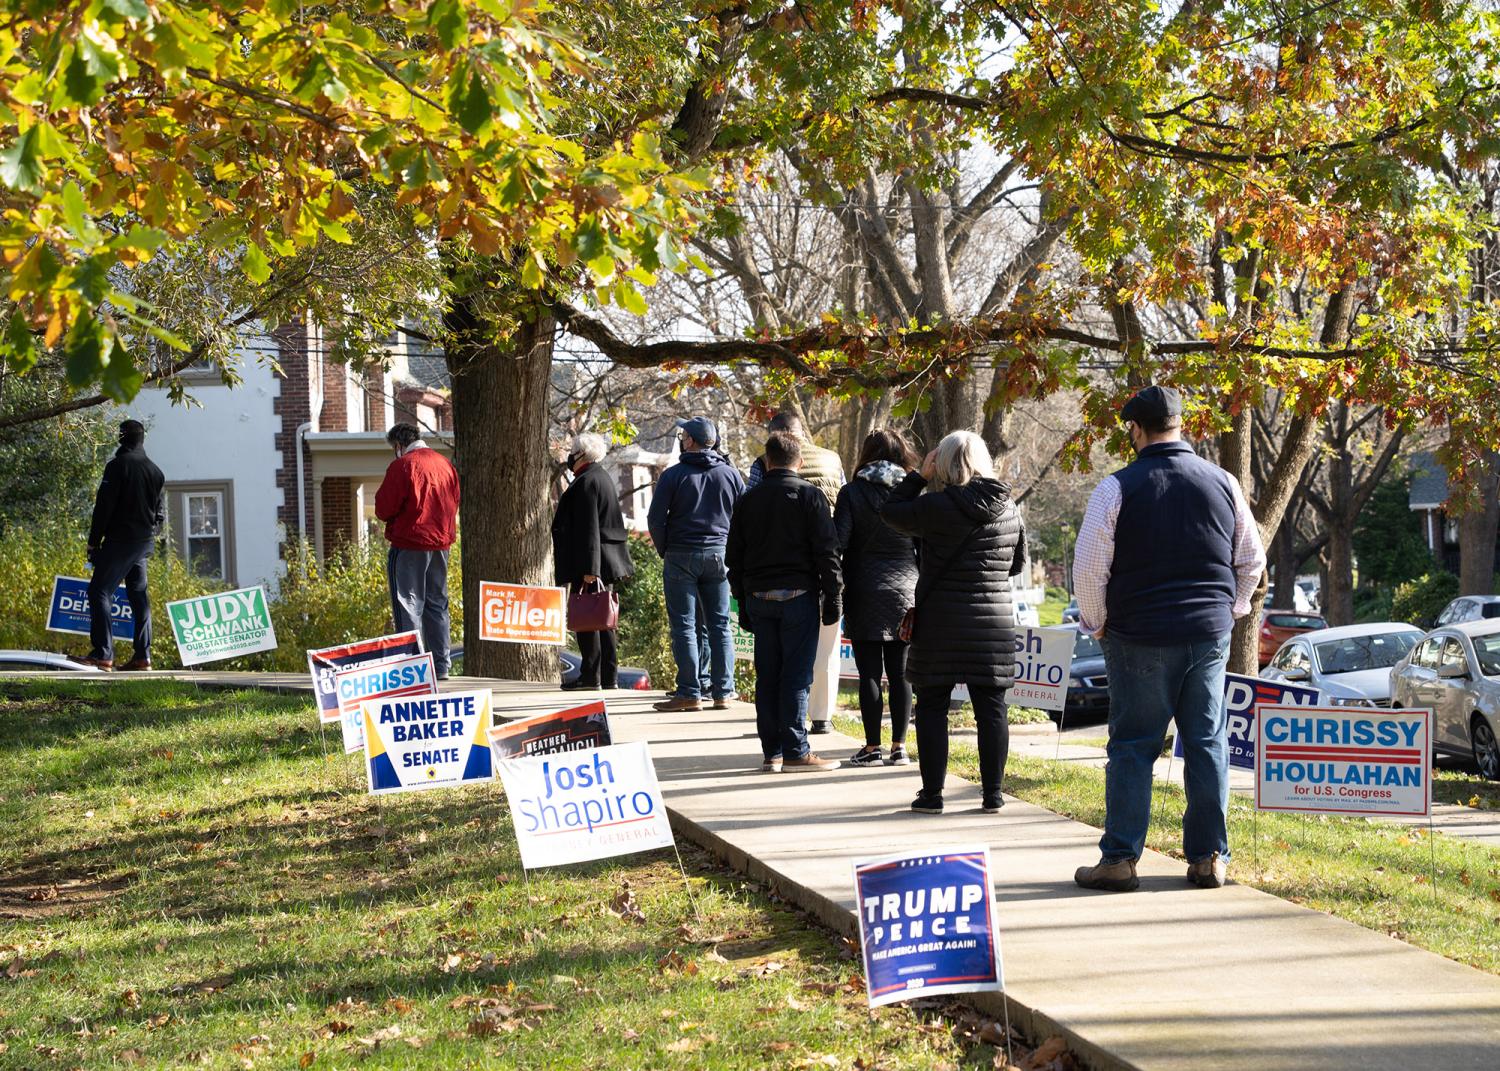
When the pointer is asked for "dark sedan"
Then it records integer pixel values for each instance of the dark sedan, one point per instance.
(1088, 685)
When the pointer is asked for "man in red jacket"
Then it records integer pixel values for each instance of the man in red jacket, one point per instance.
(418, 501)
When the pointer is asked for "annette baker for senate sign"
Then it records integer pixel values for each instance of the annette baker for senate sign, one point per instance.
(1338, 760)
(575, 806)
(418, 742)
(927, 925)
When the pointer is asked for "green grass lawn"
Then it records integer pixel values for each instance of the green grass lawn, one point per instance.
(186, 881)
(1375, 874)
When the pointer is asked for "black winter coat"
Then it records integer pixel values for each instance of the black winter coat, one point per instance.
(129, 507)
(880, 563)
(966, 619)
(588, 532)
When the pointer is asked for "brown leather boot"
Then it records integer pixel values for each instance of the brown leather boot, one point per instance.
(106, 664)
(136, 665)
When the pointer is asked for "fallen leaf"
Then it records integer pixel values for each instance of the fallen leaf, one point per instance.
(685, 1045)
(129, 1056)
(306, 1060)
(451, 962)
(625, 906)
(778, 1046)
(629, 1035)
(399, 1005)
(37, 896)
(334, 1028)
(1047, 1051)
(156, 1022)
(992, 1033)
(130, 999)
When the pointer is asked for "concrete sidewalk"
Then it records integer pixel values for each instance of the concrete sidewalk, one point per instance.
(1170, 978)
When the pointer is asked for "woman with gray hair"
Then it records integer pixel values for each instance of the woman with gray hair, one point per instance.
(962, 621)
(588, 548)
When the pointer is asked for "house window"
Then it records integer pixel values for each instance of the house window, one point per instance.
(200, 516)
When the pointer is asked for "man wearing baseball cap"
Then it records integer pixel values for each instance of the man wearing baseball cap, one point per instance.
(1168, 556)
(689, 523)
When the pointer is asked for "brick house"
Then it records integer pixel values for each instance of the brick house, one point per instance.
(285, 455)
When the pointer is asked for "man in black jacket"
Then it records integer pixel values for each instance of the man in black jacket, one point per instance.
(783, 561)
(128, 513)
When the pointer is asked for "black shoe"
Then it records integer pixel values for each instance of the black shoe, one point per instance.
(925, 804)
(992, 804)
(579, 686)
(820, 727)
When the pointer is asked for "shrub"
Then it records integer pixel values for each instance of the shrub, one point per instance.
(645, 640)
(1420, 601)
(1373, 604)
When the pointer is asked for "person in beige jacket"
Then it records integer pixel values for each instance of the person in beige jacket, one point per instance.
(825, 471)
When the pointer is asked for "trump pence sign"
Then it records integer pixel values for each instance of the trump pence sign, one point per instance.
(420, 742)
(1343, 760)
(575, 806)
(521, 613)
(927, 924)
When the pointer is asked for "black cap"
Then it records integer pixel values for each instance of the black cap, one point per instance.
(1152, 406)
(132, 431)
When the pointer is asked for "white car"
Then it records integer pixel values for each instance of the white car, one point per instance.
(1455, 671)
(1027, 615)
(40, 662)
(1350, 665)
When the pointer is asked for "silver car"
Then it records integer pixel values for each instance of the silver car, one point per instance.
(1455, 670)
(1350, 664)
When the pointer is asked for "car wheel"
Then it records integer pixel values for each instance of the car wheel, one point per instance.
(1486, 749)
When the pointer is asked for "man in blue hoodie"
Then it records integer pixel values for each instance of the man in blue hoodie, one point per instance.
(689, 522)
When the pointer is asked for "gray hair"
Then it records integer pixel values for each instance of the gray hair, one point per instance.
(590, 447)
(961, 456)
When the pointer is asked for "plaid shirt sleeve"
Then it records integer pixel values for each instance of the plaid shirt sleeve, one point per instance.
(1095, 553)
(1249, 552)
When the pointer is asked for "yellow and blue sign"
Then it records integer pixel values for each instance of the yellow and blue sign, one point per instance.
(927, 924)
(69, 611)
(434, 741)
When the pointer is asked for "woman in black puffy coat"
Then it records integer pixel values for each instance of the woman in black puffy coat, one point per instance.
(880, 573)
(965, 632)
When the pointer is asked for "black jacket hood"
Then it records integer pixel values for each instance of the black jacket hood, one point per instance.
(982, 499)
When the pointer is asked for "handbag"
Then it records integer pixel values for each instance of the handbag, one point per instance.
(908, 626)
(593, 608)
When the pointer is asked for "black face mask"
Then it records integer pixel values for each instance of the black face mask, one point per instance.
(571, 461)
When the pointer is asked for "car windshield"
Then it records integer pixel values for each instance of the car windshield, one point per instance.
(1302, 621)
(1487, 650)
(1085, 646)
(1355, 653)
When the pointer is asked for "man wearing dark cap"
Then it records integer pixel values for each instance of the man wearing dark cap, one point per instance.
(128, 513)
(1168, 556)
(689, 524)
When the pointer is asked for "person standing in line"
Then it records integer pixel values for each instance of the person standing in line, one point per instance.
(418, 501)
(128, 514)
(689, 524)
(1168, 557)
(784, 570)
(588, 547)
(823, 469)
(965, 629)
(880, 576)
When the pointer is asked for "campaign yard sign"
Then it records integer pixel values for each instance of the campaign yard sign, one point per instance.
(1242, 697)
(420, 742)
(926, 924)
(391, 679)
(744, 639)
(520, 613)
(210, 628)
(1044, 658)
(325, 662)
(69, 610)
(583, 805)
(1344, 760)
(574, 729)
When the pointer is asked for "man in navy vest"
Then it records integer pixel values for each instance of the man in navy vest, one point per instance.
(1168, 556)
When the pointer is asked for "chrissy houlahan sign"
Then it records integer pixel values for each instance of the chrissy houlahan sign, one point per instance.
(421, 742)
(214, 627)
(325, 663)
(927, 924)
(576, 806)
(1243, 696)
(1342, 760)
(357, 685)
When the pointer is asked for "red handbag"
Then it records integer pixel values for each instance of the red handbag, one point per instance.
(593, 608)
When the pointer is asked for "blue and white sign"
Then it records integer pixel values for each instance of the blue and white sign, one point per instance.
(391, 679)
(571, 807)
(927, 924)
(427, 741)
(1344, 760)
(70, 609)
(1243, 696)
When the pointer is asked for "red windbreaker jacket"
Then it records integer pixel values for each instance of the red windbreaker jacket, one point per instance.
(418, 501)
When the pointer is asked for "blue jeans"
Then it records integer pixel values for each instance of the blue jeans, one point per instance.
(695, 579)
(1149, 687)
(786, 646)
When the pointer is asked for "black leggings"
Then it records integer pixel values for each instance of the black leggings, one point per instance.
(932, 736)
(874, 658)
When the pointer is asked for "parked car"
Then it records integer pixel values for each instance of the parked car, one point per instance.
(1027, 614)
(1070, 612)
(40, 662)
(1350, 665)
(1455, 671)
(1278, 626)
(637, 680)
(1088, 684)
(1302, 601)
(1469, 608)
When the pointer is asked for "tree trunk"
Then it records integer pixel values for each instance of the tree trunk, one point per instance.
(1338, 590)
(500, 417)
(1477, 529)
(1285, 563)
(1234, 455)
